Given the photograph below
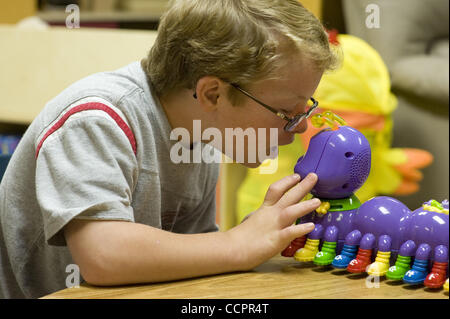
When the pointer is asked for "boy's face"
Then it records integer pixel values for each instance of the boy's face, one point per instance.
(289, 94)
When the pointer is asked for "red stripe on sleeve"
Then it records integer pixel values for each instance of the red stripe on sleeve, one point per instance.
(91, 106)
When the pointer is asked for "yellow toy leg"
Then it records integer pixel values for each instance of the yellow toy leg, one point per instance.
(381, 265)
(308, 252)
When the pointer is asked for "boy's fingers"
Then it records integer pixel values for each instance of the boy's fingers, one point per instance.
(290, 214)
(299, 191)
(295, 231)
(277, 189)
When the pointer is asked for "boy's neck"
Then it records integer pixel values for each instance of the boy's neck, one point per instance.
(181, 110)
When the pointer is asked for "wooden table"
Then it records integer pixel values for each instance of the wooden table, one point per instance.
(279, 277)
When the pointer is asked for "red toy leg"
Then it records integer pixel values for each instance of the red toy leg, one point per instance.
(436, 278)
(360, 263)
(295, 245)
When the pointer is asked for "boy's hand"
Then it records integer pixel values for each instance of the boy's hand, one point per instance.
(268, 230)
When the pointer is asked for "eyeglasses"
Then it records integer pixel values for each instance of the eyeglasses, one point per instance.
(292, 122)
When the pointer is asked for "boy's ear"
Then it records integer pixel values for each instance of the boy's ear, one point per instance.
(208, 91)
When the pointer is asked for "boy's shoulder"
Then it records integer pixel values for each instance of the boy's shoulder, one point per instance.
(124, 88)
(110, 85)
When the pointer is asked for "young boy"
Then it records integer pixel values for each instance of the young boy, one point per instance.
(93, 183)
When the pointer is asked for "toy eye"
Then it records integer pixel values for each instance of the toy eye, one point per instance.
(349, 155)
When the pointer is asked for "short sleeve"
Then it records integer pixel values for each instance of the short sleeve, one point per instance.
(86, 169)
(210, 224)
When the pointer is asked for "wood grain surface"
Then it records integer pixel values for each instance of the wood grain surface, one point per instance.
(279, 277)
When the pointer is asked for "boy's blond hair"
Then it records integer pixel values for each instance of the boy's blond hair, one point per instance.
(239, 41)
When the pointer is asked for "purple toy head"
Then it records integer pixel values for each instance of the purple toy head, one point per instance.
(340, 158)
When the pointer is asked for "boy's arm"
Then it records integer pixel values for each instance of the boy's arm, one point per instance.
(115, 252)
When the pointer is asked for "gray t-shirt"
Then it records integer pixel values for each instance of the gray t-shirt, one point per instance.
(98, 150)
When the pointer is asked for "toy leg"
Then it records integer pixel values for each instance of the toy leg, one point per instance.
(311, 247)
(348, 252)
(436, 278)
(446, 285)
(364, 256)
(403, 263)
(381, 265)
(295, 245)
(418, 272)
(328, 252)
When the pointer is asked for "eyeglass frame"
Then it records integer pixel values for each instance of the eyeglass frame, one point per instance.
(292, 121)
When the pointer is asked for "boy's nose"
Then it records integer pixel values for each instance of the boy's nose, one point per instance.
(301, 127)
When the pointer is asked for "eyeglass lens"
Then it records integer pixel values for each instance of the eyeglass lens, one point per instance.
(297, 119)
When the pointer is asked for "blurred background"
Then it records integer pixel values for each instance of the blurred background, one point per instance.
(395, 74)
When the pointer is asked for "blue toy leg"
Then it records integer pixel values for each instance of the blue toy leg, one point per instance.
(417, 274)
(349, 250)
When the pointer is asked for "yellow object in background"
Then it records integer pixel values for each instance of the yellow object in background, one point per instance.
(360, 93)
(314, 6)
(362, 82)
(13, 11)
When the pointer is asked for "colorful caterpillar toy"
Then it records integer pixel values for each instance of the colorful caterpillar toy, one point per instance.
(382, 236)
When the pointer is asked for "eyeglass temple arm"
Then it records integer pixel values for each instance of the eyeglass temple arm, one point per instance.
(254, 99)
(257, 101)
